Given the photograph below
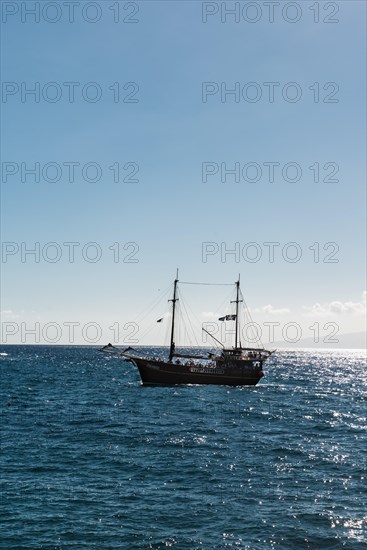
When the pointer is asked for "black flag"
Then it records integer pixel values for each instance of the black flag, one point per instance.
(227, 318)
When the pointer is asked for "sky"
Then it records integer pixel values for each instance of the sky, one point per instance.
(166, 134)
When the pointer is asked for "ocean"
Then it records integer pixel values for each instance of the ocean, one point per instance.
(90, 459)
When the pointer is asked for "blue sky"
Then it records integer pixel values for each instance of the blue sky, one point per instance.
(169, 133)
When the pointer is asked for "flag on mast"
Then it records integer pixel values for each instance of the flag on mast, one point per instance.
(227, 318)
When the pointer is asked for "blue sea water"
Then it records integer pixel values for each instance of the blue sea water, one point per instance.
(90, 459)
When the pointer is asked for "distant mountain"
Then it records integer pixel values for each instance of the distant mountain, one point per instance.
(354, 340)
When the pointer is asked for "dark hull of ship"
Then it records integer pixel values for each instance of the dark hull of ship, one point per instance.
(160, 373)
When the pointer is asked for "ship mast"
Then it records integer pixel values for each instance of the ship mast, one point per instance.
(174, 300)
(237, 301)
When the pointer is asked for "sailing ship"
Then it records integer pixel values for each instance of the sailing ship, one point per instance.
(232, 366)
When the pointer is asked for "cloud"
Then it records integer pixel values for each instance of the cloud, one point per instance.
(270, 310)
(209, 314)
(9, 314)
(337, 308)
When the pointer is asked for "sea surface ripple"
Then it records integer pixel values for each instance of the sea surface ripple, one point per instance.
(90, 459)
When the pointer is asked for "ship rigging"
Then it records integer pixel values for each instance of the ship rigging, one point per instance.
(234, 365)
